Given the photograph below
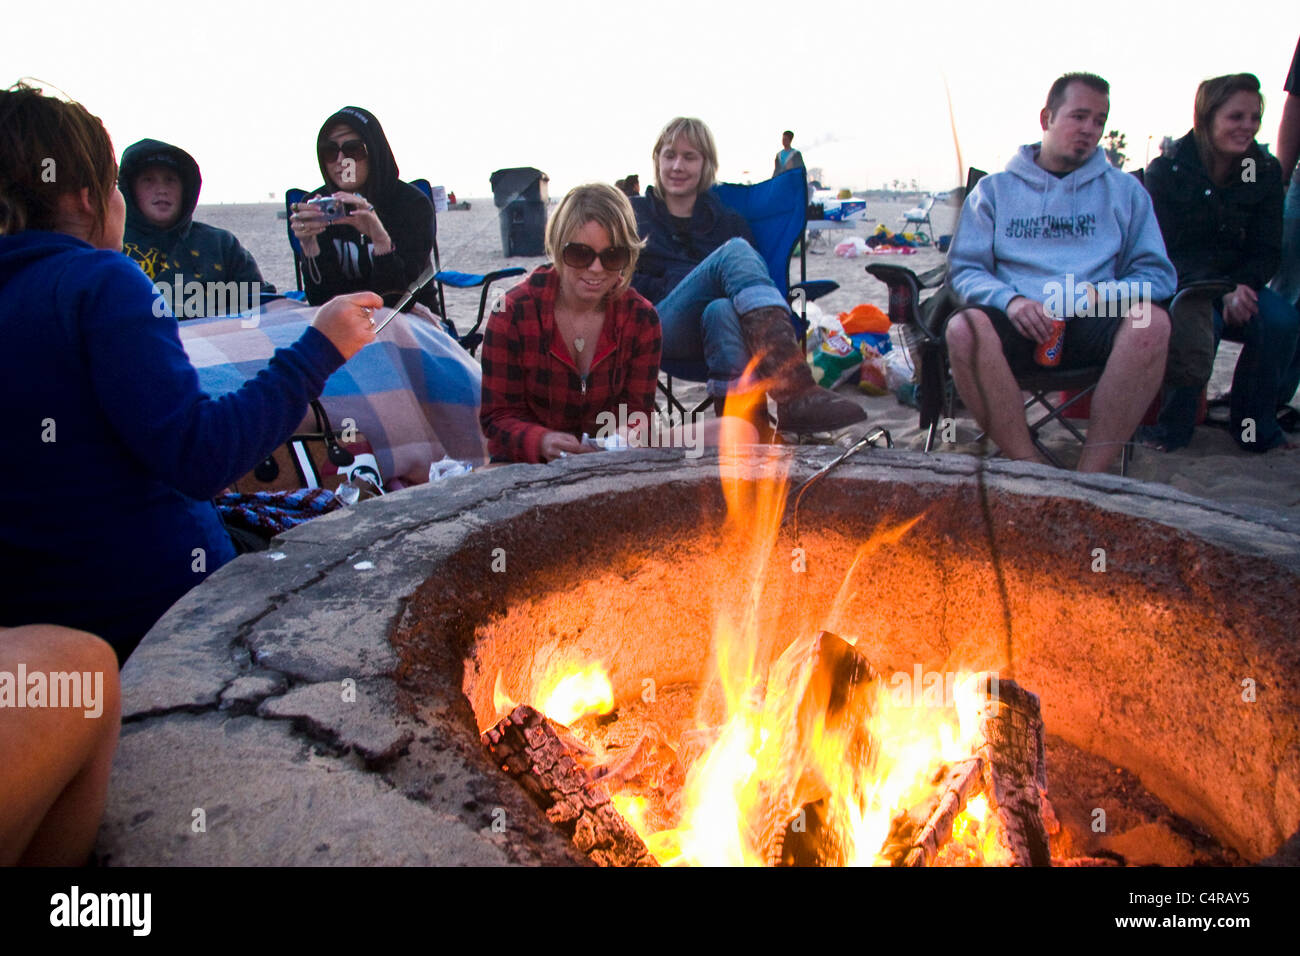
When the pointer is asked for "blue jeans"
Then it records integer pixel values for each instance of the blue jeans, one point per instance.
(1287, 281)
(1267, 374)
(700, 318)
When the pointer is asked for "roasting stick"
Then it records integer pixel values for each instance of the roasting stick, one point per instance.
(870, 438)
(412, 291)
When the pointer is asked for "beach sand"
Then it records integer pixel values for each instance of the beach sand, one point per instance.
(470, 241)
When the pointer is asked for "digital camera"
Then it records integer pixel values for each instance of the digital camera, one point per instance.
(332, 209)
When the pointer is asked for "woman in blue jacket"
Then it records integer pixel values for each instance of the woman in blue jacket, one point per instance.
(114, 450)
(1218, 199)
(715, 299)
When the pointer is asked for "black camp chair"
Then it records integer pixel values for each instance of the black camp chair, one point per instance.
(471, 340)
(924, 323)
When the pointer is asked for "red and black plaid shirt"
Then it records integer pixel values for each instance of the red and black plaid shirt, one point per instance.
(531, 385)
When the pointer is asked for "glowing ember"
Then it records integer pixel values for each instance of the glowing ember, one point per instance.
(587, 691)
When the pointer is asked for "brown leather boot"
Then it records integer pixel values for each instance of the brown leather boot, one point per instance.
(801, 405)
(756, 415)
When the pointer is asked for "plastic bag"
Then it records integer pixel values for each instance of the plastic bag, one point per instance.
(898, 370)
(864, 318)
(851, 247)
(448, 467)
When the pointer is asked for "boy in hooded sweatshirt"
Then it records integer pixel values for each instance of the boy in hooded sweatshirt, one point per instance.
(191, 263)
(1061, 234)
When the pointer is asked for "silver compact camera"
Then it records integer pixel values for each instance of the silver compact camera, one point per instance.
(329, 207)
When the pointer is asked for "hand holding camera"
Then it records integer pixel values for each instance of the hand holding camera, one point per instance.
(310, 218)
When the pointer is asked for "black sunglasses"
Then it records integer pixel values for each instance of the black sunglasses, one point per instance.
(579, 256)
(354, 149)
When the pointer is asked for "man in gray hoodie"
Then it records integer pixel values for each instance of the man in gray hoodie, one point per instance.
(1061, 234)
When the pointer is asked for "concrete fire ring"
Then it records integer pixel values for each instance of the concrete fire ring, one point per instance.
(269, 719)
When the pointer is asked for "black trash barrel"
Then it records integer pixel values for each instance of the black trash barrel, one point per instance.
(520, 194)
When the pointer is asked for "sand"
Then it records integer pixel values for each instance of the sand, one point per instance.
(470, 241)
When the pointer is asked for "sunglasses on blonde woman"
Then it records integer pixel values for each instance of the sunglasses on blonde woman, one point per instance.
(579, 256)
(354, 149)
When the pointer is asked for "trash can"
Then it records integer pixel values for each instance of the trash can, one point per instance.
(520, 194)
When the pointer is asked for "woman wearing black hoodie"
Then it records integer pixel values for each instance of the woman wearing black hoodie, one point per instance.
(384, 242)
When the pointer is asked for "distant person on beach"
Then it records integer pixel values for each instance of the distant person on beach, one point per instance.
(716, 302)
(629, 185)
(788, 157)
(384, 241)
(161, 185)
(1033, 240)
(121, 450)
(573, 339)
(1219, 203)
(56, 757)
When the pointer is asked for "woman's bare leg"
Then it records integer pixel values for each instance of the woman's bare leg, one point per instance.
(56, 759)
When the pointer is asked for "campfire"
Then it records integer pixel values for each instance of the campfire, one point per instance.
(794, 749)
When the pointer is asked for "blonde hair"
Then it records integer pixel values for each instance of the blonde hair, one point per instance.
(700, 138)
(608, 208)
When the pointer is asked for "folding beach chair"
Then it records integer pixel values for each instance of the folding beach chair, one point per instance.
(471, 340)
(777, 212)
(919, 216)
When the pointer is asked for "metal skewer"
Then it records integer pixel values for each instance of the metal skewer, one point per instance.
(870, 438)
(412, 291)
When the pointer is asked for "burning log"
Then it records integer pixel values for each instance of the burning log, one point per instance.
(819, 690)
(528, 748)
(1009, 767)
(1015, 770)
(917, 836)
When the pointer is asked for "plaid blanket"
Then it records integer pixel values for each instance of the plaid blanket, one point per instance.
(273, 512)
(414, 393)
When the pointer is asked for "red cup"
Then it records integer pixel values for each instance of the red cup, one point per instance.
(1048, 353)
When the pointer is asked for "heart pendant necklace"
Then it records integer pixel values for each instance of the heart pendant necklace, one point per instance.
(579, 344)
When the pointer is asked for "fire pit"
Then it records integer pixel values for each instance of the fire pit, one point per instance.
(326, 705)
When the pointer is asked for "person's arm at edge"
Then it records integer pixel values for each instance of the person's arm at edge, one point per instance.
(149, 390)
(1288, 137)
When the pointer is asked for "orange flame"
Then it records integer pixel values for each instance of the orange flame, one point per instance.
(501, 701)
(773, 754)
(585, 691)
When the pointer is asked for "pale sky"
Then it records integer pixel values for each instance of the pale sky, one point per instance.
(580, 89)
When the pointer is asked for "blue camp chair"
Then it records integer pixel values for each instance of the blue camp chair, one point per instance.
(471, 340)
(777, 213)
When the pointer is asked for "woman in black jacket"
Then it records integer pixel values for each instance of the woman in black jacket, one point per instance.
(1219, 202)
(715, 299)
(383, 242)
